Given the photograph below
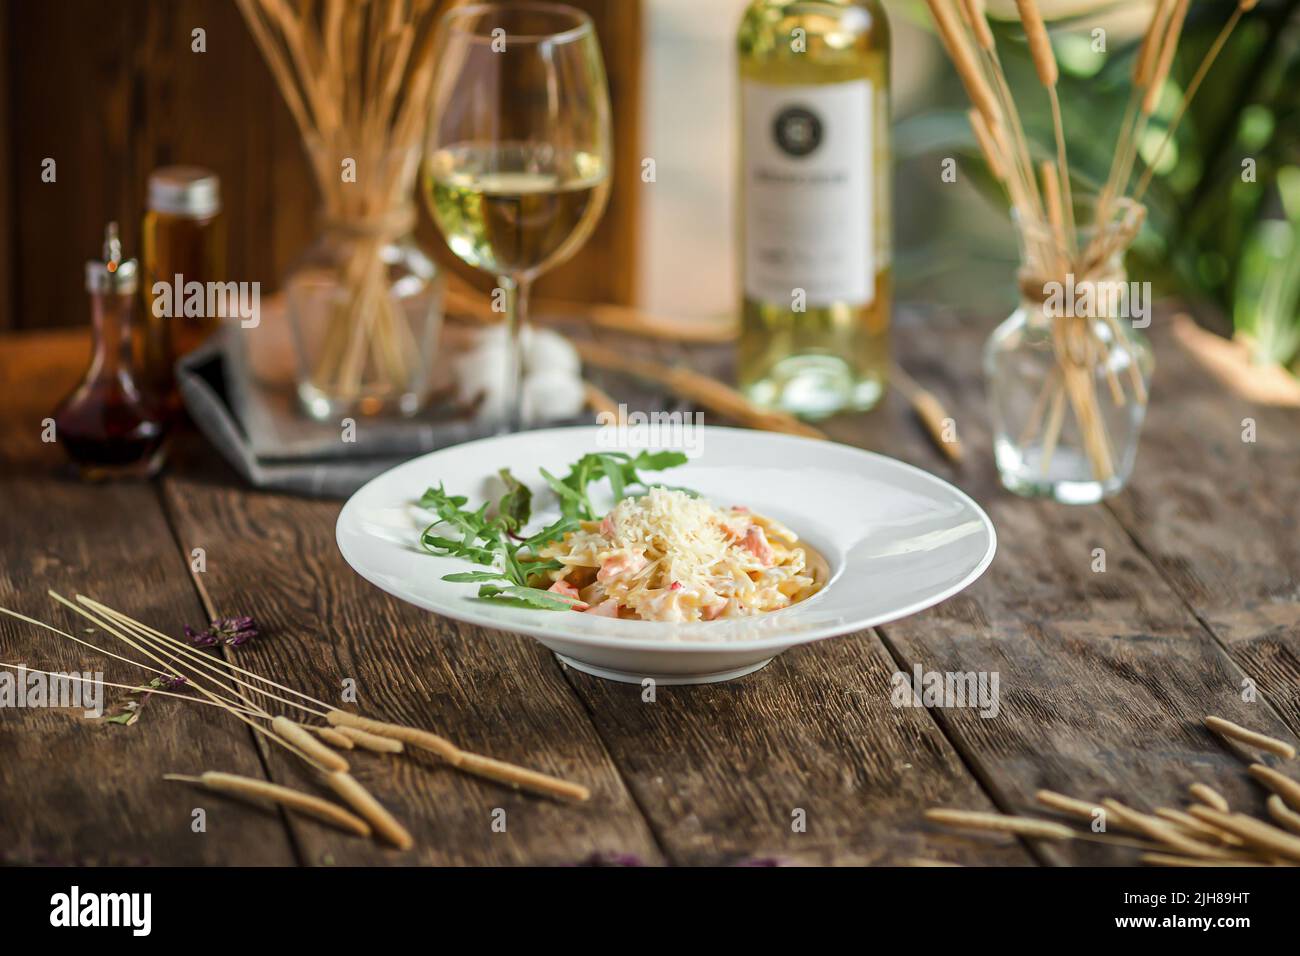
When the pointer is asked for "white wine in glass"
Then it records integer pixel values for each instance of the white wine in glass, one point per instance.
(517, 167)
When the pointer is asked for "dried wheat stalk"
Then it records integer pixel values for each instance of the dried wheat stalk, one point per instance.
(999, 823)
(333, 737)
(1230, 731)
(359, 798)
(356, 78)
(223, 684)
(369, 741)
(518, 777)
(1283, 814)
(1283, 786)
(1202, 835)
(1046, 213)
(251, 788)
(1209, 796)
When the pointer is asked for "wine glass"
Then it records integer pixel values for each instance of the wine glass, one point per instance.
(516, 170)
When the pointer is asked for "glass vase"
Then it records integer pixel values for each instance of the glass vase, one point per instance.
(1068, 372)
(365, 305)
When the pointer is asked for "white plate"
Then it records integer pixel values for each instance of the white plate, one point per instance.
(897, 538)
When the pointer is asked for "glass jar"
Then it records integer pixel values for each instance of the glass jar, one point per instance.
(1068, 373)
(365, 306)
(183, 241)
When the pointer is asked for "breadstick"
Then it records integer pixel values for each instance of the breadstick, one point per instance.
(1197, 828)
(417, 738)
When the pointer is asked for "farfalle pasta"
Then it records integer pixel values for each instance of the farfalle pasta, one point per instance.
(669, 556)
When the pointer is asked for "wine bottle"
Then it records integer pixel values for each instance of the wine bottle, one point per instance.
(814, 204)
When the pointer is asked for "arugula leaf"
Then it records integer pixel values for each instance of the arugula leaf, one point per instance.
(448, 547)
(614, 470)
(552, 532)
(528, 597)
(449, 510)
(534, 568)
(488, 541)
(659, 460)
(466, 577)
(516, 504)
(572, 503)
(620, 469)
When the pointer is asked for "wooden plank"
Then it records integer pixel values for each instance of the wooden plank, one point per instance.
(274, 558)
(725, 772)
(82, 790)
(73, 107)
(1105, 677)
(1220, 516)
(8, 301)
(221, 109)
(111, 91)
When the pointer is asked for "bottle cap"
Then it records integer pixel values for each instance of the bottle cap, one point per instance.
(112, 273)
(190, 191)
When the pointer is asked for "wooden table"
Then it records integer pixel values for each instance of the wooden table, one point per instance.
(1105, 675)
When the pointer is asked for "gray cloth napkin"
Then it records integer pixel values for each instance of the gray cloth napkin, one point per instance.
(261, 432)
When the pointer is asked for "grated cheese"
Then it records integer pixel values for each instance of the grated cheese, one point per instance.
(668, 556)
(686, 531)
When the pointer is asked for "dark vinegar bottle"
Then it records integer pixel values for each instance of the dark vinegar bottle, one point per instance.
(110, 426)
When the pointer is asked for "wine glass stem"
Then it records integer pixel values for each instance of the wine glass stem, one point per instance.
(516, 318)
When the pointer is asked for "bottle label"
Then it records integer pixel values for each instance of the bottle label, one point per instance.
(808, 216)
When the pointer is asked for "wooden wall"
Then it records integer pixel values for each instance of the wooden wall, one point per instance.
(110, 89)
